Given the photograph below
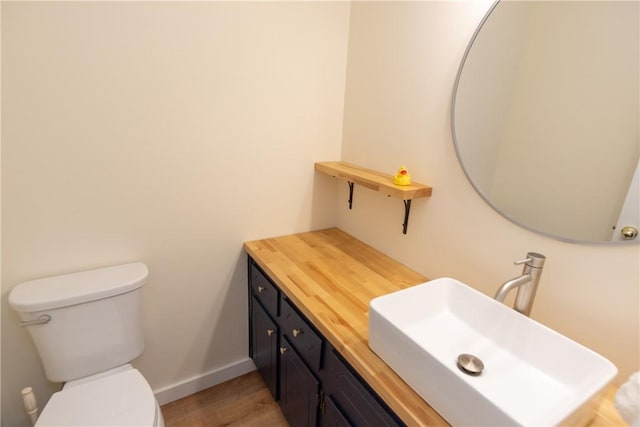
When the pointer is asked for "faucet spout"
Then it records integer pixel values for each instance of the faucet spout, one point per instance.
(526, 283)
(511, 284)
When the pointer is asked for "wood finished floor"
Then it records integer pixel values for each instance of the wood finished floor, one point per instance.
(242, 401)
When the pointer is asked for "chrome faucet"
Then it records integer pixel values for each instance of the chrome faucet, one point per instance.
(527, 283)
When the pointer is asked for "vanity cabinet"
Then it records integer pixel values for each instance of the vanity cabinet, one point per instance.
(305, 374)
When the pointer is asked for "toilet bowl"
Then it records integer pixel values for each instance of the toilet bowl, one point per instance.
(87, 329)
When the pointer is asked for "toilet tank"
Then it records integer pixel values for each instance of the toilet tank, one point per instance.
(96, 319)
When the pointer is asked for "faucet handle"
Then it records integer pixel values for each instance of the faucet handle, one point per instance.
(533, 259)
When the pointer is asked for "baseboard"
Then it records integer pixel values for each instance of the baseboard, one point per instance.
(201, 382)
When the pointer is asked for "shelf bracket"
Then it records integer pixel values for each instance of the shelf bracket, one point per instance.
(350, 193)
(407, 209)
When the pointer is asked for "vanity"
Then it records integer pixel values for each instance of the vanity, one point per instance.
(309, 297)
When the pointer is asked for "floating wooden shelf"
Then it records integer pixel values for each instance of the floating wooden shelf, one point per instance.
(375, 181)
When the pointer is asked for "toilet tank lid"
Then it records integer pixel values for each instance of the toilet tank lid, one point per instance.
(75, 288)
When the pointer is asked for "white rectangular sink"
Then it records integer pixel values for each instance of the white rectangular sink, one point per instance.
(532, 376)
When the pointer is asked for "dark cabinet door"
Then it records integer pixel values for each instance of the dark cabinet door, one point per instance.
(299, 389)
(264, 344)
(332, 417)
(350, 396)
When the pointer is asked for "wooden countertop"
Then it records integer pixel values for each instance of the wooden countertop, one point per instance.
(331, 277)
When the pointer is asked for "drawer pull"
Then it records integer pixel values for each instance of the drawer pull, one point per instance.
(260, 289)
(270, 332)
(283, 350)
(296, 332)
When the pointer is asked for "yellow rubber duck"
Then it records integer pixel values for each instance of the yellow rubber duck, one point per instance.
(402, 177)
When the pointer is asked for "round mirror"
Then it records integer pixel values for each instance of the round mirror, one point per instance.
(546, 113)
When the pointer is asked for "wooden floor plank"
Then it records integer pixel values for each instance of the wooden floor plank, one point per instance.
(242, 401)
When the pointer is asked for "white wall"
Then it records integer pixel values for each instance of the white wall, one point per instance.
(168, 133)
(403, 59)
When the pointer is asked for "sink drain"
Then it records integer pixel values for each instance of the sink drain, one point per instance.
(470, 364)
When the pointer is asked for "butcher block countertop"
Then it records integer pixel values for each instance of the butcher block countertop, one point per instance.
(331, 277)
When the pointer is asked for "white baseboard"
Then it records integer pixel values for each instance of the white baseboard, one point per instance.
(201, 382)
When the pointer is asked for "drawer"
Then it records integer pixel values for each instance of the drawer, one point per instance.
(302, 336)
(264, 291)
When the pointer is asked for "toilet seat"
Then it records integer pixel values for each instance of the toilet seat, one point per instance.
(122, 398)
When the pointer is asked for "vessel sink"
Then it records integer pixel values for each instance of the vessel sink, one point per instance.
(523, 373)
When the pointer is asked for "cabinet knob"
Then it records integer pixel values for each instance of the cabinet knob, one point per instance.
(260, 289)
(296, 332)
(270, 332)
(283, 350)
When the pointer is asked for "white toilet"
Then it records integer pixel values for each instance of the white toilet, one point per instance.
(87, 328)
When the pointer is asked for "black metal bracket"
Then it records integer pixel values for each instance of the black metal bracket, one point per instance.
(350, 193)
(407, 209)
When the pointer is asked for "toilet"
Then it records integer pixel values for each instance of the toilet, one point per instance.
(87, 328)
